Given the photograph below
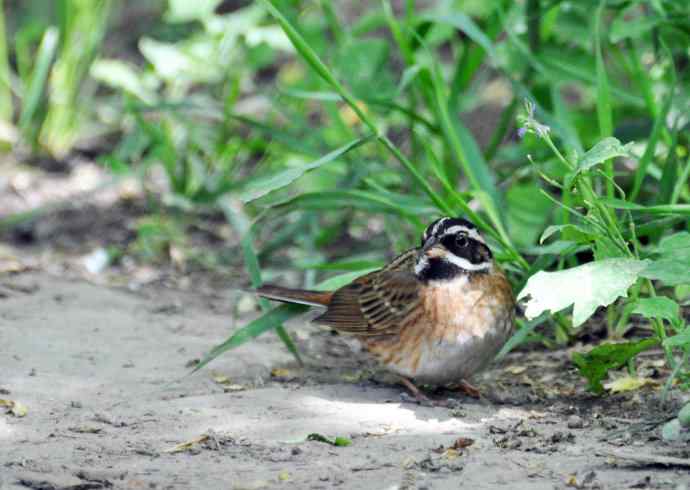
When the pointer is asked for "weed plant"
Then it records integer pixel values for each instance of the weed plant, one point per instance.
(307, 123)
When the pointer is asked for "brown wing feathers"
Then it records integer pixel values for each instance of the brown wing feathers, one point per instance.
(376, 304)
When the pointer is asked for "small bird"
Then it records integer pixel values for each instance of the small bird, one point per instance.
(436, 314)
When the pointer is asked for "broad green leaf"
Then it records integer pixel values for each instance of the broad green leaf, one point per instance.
(120, 75)
(658, 307)
(586, 287)
(604, 150)
(676, 246)
(527, 212)
(186, 11)
(682, 339)
(261, 186)
(670, 272)
(595, 364)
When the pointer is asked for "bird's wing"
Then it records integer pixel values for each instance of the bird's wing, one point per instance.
(379, 303)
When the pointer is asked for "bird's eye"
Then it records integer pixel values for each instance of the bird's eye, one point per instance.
(461, 240)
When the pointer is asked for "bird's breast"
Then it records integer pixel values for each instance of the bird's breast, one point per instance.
(463, 325)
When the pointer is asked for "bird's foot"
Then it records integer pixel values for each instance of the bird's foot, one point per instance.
(420, 397)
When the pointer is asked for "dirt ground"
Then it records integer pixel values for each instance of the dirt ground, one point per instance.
(100, 359)
(103, 371)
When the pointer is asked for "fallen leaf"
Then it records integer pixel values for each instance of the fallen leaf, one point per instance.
(628, 383)
(220, 378)
(516, 369)
(280, 373)
(186, 446)
(451, 453)
(14, 407)
(86, 429)
(462, 443)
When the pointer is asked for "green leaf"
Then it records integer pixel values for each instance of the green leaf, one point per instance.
(670, 272)
(586, 287)
(676, 246)
(681, 339)
(604, 150)
(658, 307)
(527, 212)
(595, 364)
(122, 76)
(261, 186)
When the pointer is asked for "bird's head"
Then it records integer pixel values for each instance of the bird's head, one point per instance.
(451, 247)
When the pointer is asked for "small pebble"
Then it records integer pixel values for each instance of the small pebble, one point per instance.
(575, 422)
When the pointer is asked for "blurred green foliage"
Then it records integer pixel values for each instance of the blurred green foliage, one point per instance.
(311, 123)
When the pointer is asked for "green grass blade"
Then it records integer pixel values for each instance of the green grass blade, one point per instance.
(678, 209)
(264, 323)
(251, 262)
(648, 155)
(604, 112)
(263, 185)
(39, 76)
(5, 90)
(322, 70)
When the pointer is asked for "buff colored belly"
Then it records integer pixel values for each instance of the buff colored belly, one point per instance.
(459, 334)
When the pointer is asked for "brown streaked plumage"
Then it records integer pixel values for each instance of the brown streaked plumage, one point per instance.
(436, 314)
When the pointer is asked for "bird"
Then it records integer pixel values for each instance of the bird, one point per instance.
(435, 315)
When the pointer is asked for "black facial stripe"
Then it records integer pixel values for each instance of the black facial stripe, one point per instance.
(439, 269)
(474, 252)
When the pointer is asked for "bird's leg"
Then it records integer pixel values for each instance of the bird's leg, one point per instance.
(421, 397)
(468, 389)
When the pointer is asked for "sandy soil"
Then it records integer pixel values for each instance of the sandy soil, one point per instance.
(102, 372)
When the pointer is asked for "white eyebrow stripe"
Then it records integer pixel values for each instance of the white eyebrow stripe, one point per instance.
(471, 232)
(466, 264)
(438, 225)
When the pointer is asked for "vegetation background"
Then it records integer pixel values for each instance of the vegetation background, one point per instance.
(321, 137)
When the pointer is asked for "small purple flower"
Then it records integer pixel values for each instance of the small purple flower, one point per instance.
(529, 124)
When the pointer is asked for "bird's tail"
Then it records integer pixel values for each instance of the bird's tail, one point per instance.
(299, 296)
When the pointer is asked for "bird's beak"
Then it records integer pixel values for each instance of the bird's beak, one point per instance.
(430, 243)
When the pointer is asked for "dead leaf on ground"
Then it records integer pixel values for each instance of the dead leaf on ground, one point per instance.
(14, 407)
(516, 369)
(186, 446)
(629, 383)
(282, 373)
(86, 429)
